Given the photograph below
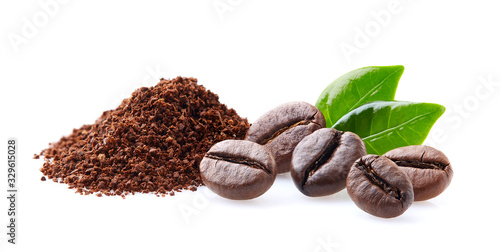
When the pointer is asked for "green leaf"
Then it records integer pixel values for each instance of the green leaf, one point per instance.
(358, 87)
(386, 125)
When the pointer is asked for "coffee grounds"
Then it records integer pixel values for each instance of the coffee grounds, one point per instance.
(152, 143)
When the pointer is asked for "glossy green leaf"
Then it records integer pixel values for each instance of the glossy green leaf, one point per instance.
(386, 125)
(358, 87)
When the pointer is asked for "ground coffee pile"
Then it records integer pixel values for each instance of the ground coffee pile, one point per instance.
(152, 143)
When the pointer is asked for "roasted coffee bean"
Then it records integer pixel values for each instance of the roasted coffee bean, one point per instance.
(282, 128)
(379, 187)
(238, 169)
(429, 169)
(321, 161)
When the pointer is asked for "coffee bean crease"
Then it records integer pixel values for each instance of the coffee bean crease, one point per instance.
(370, 173)
(420, 164)
(325, 156)
(238, 160)
(288, 127)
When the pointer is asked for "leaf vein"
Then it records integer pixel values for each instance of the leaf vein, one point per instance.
(371, 90)
(395, 127)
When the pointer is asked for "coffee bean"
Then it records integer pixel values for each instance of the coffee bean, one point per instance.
(429, 169)
(379, 187)
(321, 161)
(238, 169)
(282, 128)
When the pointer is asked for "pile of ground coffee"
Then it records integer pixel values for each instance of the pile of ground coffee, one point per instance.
(152, 143)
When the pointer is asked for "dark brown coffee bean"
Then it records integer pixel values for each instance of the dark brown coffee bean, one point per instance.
(379, 187)
(321, 161)
(282, 128)
(238, 169)
(429, 169)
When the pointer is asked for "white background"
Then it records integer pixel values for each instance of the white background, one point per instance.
(83, 57)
